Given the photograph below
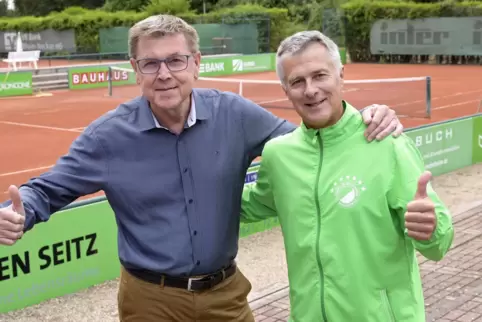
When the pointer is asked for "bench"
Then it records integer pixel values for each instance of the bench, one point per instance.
(19, 57)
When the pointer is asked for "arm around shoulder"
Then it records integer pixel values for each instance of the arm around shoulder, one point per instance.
(260, 126)
(409, 166)
(258, 201)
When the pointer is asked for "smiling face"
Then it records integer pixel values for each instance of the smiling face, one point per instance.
(167, 85)
(314, 85)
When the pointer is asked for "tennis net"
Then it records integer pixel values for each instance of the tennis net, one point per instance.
(409, 97)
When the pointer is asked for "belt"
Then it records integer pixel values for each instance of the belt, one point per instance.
(192, 284)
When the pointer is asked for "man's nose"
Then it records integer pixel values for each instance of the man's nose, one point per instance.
(310, 90)
(164, 72)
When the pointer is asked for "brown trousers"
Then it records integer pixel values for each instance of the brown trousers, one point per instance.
(141, 301)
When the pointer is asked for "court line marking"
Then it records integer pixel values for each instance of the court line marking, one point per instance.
(40, 126)
(25, 97)
(455, 104)
(7, 174)
(271, 101)
(439, 97)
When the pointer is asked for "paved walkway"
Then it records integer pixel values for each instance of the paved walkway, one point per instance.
(452, 287)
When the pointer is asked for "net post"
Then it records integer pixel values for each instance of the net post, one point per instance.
(241, 88)
(109, 81)
(429, 96)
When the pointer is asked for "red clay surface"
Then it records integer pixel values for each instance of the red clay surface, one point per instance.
(37, 130)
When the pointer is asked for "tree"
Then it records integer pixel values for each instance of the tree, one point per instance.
(120, 5)
(45, 7)
(172, 7)
(3, 8)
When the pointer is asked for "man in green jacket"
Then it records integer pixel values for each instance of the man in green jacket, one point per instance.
(353, 213)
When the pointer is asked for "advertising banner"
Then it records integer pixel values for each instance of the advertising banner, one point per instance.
(477, 140)
(230, 65)
(15, 84)
(427, 36)
(98, 76)
(447, 146)
(75, 249)
(48, 40)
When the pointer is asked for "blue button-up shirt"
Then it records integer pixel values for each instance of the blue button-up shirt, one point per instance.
(176, 197)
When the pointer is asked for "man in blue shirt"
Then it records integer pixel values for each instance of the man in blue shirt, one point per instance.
(172, 165)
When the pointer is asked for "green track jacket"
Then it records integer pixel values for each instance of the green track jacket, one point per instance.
(341, 202)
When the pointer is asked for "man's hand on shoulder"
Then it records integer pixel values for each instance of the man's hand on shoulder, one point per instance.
(12, 219)
(382, 121)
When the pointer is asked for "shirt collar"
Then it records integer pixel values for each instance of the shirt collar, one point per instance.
(191, 118)
(146, 121)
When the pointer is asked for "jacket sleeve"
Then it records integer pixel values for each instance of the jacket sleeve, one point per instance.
(258, 202)
(409, 166)
(80, 172)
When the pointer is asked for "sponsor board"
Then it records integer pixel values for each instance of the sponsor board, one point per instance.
(15, 84)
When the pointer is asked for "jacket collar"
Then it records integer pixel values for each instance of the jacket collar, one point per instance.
(349, 123)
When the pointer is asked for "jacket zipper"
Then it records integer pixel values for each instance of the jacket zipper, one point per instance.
(386, 303)
(318, 258)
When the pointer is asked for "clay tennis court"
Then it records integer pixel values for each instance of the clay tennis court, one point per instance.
(37, 130)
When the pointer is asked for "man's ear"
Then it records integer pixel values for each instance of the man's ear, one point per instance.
(197, 62)
(133, 64)
(283, 86)
(134, 67)
(342, 72)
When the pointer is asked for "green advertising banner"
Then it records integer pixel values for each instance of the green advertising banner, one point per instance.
(15, 84)
(445, 147)
(98, 76)
(252, 63)
(477, 140)
(75, 249)
(230, 65)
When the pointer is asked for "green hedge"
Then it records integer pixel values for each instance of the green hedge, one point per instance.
(88, 22)
(359, 16)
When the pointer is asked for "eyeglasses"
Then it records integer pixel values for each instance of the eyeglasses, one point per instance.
(174, 63)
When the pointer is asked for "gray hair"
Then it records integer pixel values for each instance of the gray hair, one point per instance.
(298, 42)
(160, 26)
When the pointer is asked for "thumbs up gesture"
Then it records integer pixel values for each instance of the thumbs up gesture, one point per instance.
(420, 219)
(12, 219)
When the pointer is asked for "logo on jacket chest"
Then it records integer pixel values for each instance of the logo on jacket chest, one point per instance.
(347, 190)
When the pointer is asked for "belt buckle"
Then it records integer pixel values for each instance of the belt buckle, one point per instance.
(189, 282)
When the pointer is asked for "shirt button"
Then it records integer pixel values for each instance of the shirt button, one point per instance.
(198, 263)
(190, 200)
(194, 232)
(185, 170)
